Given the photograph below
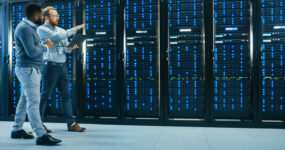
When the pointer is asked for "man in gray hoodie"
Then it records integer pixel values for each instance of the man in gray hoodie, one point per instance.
(29, 63)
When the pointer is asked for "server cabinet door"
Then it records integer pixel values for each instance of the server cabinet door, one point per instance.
(142, 57)
(231, 89)
(272, 68)
(100, 59)
(186, 62)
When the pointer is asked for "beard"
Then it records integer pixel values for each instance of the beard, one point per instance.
(39, 22)
(53, 23)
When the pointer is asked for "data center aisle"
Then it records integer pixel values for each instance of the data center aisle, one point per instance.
(120, 137)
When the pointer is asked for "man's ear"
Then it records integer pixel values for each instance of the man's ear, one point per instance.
(36, 17)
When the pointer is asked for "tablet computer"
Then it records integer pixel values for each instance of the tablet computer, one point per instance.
(77, 39)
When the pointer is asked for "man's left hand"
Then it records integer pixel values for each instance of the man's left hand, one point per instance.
(73, 48)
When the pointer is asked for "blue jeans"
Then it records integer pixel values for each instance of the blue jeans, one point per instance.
(29, 102)
(56, 75)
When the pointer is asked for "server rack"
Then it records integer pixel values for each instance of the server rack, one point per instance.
(271, 73)
(100, 59)
(142, 57)
(4, 61)
(186, 58)
(16, 14)
(67, 12)
(232, 60)
(2, 12)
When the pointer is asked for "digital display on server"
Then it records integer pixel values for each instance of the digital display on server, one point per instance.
(101, 84)
(16, 14)
(231, 85)
(142, 58)
(65, 11)
(272, 81)
(186, 58)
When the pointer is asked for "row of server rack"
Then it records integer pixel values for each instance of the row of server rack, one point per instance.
(218, 59)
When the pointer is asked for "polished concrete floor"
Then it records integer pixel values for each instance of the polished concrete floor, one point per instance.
(120, 137)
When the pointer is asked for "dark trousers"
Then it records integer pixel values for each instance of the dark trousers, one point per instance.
(56, 74)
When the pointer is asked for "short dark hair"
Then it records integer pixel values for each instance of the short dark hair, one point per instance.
(32, 9)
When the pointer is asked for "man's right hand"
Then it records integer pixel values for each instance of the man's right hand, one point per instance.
(49, 43)
(80, 27)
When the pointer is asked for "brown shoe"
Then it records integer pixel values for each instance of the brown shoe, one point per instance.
(47, 130)
(76, 128)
